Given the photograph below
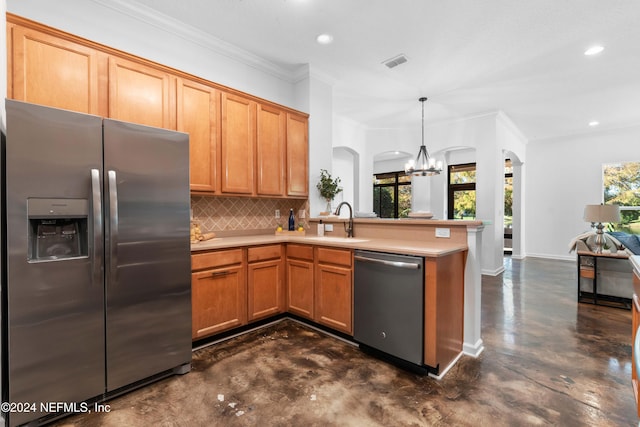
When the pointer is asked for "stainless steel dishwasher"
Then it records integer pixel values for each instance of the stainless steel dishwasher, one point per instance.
(389, 304)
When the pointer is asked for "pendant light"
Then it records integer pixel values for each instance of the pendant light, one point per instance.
(423, 165)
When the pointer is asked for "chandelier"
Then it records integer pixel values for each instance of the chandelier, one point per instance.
(423, 165)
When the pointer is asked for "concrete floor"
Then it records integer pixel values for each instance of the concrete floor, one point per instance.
(548, 361)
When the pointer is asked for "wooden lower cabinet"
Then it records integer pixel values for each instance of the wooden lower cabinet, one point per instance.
(300, 277)
(233, 287)
(334, 289)
(444, 308)
(265, 281)
(219, 291)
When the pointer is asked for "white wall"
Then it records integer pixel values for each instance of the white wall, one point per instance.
(320, 135)
(344, 166)
(349, 142)
(391, 165)
(562, 176)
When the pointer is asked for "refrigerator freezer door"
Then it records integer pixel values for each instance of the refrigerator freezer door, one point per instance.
(55, 316)
(148, 287)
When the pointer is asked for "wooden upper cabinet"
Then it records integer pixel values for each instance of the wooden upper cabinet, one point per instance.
(139, 94)
(52, 71)
(198, 108)
(270, 151)
(297, 155)
(240, 145)
(237, 144)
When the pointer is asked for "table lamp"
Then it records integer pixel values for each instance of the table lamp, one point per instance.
(596, 215)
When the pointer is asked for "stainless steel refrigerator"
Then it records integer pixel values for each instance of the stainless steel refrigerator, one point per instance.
(96, 265)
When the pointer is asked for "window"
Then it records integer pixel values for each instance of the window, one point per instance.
(392, 194)
(621, 182)
(462, 191)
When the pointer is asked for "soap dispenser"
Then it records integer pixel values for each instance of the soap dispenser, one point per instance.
(321, 229)
(292, 220)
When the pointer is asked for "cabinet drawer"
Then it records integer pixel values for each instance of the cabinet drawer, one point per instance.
(300, 251)
(334, 256)
(216, 259)
(587, 272)
(263, 253)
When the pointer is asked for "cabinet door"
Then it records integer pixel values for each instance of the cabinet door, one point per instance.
(300, 287)
(237, 144)
(266, 288)
(270, 151)
(51, 71)
(297, 156)
(334, 297)
(198, 115)
(218, 300)
(139, 94)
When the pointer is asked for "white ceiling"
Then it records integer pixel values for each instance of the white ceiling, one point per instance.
(469, 57)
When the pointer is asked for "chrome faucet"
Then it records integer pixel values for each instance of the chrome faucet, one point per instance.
(347, 228)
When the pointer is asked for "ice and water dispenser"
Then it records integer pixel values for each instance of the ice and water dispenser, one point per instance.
(58, 229)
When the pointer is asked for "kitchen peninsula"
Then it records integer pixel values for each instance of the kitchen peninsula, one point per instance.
(300, 263)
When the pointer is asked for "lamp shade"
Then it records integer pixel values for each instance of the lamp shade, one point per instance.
(602, 213)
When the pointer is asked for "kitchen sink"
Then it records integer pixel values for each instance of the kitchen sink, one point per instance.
(336, 239)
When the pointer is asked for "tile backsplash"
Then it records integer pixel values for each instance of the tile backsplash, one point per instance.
(239, 214)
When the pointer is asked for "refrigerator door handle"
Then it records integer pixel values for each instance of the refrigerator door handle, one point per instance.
(113, 227)
(96, 211)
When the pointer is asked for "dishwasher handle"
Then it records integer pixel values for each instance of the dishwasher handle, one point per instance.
(398, 264)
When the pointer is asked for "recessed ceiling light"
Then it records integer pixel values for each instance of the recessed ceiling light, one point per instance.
(594, 50)
(324, 38)
(594, 123)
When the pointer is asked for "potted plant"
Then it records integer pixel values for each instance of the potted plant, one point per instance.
(328, 188)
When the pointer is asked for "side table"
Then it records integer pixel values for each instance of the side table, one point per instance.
(587, 263)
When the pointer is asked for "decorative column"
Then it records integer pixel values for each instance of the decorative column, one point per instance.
(472, 341)
(518, 211)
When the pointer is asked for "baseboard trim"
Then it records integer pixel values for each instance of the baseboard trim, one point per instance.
(441, 375)
(473, 350)
(492, 272)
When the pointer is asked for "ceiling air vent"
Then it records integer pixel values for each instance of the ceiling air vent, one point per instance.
(395, 61)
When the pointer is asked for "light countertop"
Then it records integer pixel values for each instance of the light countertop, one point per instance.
(427, 249)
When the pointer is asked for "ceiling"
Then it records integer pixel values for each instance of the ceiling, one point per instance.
(469, 57)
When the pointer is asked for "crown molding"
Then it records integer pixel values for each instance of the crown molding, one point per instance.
(166, 23)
